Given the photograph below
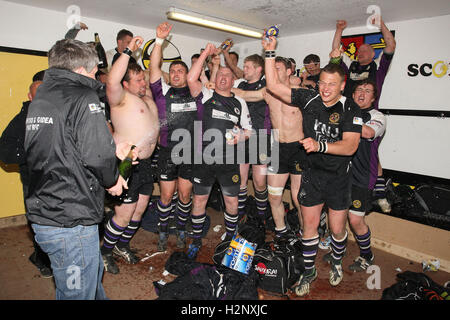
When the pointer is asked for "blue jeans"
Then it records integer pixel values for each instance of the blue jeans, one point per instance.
(75, 260)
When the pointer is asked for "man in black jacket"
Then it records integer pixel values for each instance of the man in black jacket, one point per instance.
(12, 152)
(71, 158)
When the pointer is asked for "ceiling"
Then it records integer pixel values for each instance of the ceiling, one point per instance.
(295, 16)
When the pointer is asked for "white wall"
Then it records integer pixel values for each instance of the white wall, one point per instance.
(411, 144)
(34, 28)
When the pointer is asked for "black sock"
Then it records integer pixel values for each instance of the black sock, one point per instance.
(380, 188)
(113, 232)
(128, 234)
(261, 203)
(242, 198)
(164, 212)
(197, 227)
(231, 221)
(310, 247)
(338, 247)
(280, 232)
(363, 241)
(183, 211)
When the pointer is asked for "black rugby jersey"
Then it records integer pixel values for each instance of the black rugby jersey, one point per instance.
(176, 110)
(219, 114)
(259, 110)
(328, 124)
(365, 161)
(375, 71)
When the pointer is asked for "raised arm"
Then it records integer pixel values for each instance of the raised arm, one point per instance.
(250, 95)
(195, 86)
(162, 32)
(388, 38)
(72, 33)
(114, 89)
(340, 26)
(215, 61)
(282, 91)
(238, 72)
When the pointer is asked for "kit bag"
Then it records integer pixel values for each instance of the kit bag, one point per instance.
(279, 265)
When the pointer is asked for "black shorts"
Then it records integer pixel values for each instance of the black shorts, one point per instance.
(323, 187)
(228, 176)
(140, 182)
(361, 201)
(287, 158)
(257, 149)
(168, 171)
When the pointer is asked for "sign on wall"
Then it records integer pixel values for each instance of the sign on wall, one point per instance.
(351, 43)
(170, 52)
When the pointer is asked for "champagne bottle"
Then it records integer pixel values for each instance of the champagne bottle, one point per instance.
(100, 52)
(126, 165)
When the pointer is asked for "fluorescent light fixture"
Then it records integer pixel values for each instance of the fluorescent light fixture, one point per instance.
(188, 17)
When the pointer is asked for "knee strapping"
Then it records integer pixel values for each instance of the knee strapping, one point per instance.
(275, 191)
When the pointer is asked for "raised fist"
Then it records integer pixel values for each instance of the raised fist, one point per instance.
(135, 43)
(341, 24)
(163, 30)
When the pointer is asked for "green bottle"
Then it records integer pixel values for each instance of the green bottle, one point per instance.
(126, 164)
(103, 63)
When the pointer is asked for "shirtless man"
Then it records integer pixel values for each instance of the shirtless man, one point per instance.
(135, 120)
(287, 122)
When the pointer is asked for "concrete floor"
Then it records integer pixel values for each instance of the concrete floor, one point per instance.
(20, 280)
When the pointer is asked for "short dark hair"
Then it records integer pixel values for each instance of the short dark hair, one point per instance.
(39, 76)
(133, 67)
(195, 55)
(334, 68)
(181, 63)
(123, 33)
(369, 82)
(235, 53)
(311, 58)
(256, 59)
(284, 61)
(292, 60)
(72, 54)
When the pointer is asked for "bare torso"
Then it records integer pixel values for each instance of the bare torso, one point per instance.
(135, 120)
(285, 118)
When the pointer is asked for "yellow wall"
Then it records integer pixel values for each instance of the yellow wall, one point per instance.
(16, 73)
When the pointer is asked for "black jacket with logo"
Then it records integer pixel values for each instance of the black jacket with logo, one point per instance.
(70, 152)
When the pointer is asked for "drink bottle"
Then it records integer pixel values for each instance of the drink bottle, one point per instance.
(126, 165)
(103, 63)
(226, 44)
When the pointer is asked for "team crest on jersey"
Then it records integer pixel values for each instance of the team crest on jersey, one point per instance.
(357, 204)
(237, 111)
(235, 178)
(95, 108)
(262, 157)
(357, 120)
(334, 117)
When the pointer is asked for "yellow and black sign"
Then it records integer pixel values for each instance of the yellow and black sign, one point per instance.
(170, 52)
